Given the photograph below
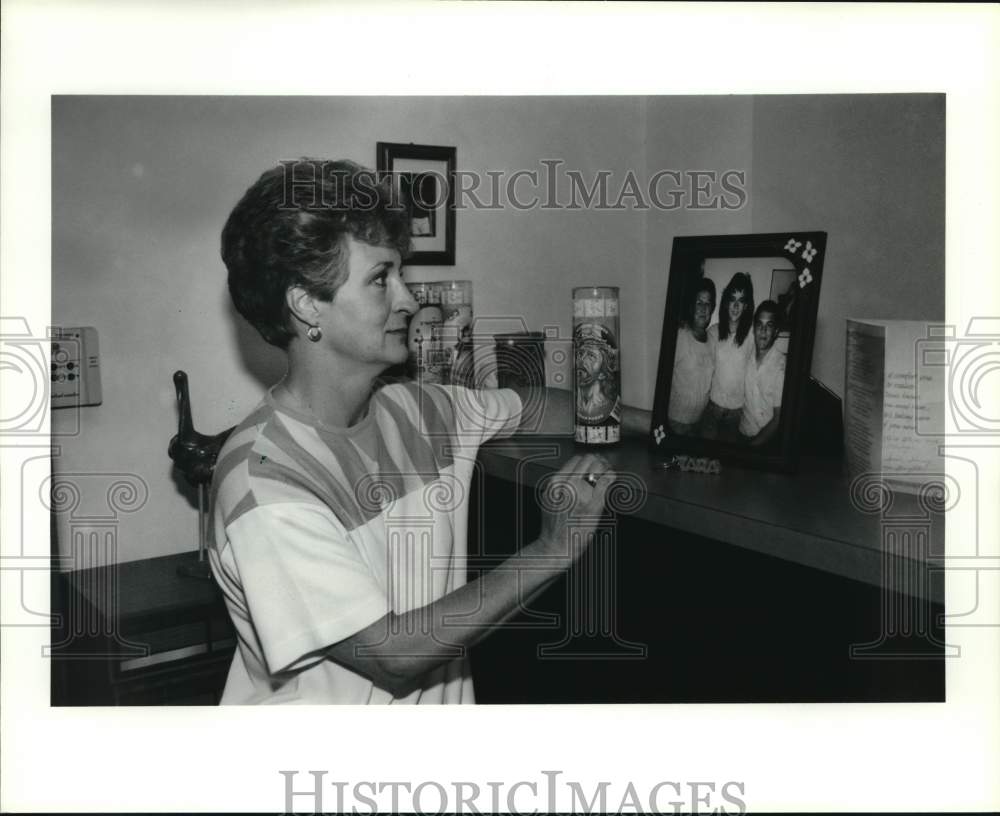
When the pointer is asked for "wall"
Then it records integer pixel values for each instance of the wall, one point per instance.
(142, 186)
(869, 171)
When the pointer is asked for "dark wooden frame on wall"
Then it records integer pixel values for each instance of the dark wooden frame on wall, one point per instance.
(387, 155)
(805, 251)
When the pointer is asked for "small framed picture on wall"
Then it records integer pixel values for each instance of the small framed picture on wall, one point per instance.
(424, 176)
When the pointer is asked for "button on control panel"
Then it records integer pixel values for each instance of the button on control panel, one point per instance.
(76, 369)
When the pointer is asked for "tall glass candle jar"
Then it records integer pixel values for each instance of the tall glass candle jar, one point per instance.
(424, 337)
(520, 360)
(520, 363)
(597, 365)
(456, 332)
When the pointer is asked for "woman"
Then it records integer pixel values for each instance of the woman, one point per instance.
(733, 347)
(339, 532)
(694, 363)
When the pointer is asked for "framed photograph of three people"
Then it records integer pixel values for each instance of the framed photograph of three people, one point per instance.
(736, 348)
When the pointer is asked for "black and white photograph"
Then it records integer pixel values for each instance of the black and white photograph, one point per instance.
(281, 526)
(332, 514)
(734, 365)
(420, 191)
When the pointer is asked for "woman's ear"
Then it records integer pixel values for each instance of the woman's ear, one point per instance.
(302, 305)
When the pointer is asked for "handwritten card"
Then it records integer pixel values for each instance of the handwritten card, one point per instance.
(893, 402)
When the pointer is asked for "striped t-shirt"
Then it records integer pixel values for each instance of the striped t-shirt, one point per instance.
(320, 531)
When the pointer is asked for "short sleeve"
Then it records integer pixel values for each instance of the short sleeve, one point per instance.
(304, 581)
(481, 415)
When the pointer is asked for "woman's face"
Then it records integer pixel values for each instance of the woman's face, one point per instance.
(736, 306)
(366, 322)
(702, 309)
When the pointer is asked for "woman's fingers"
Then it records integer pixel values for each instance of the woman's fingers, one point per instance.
(588, 476)
(596, 503)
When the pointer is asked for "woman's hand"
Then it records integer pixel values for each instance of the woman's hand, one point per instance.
(572, 503)
(399, 650)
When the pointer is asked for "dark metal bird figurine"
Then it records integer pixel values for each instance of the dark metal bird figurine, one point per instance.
(194, 455)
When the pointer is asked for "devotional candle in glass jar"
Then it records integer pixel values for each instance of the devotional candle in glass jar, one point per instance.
(597, 365)
(424, 335)
(520, 360)
(520, 363)
(456, 332)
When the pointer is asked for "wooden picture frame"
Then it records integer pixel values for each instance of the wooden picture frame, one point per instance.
(722, 430)
(424, 176)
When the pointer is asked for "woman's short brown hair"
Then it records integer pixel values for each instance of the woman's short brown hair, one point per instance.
(288, 230)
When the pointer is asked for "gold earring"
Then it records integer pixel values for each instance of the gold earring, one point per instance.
(314, 333)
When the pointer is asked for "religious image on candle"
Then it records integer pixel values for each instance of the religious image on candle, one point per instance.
(597, 365)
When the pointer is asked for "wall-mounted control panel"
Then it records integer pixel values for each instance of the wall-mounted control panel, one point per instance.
(76, 369)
